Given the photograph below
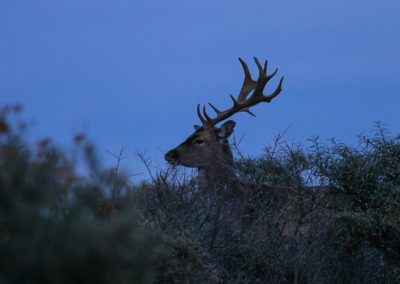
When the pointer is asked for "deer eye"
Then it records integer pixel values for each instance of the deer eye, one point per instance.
(198, 141)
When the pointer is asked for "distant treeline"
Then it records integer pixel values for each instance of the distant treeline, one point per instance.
(59, 227)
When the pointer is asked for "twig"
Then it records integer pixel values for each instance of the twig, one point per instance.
(115, 178)
(142, 157)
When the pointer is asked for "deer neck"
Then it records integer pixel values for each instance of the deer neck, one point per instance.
(220, 174)
(221, 179)
(215, 176)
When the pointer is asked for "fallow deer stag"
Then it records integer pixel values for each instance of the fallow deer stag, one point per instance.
(207, 149)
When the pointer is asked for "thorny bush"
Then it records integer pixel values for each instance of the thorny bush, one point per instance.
(59, 227)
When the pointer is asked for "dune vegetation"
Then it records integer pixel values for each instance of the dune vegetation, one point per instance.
(57, 226)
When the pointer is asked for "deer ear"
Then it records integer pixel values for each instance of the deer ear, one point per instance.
(196, 127)
(226, 129)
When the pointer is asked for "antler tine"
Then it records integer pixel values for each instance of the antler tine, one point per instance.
(260, 68)
(235, 102)
(248, 111)
(215, 109)
(261, 81)
(273, 74)
(275, 93)
(247, 75)
(200, 116)
(248, 82)
(205, 113)
(265, 66)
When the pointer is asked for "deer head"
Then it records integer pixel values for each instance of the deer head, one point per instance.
(201, 148)
(207, 148)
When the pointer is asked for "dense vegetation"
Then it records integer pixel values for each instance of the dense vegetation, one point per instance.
(58, 227)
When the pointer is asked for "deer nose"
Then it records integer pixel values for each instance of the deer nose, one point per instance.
(171, 155)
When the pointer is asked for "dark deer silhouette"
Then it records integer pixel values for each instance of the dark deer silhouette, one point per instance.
(207, 149)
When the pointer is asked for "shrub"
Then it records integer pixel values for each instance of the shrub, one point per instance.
(49, 232)
(59, 227)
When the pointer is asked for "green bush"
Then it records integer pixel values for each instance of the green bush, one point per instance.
(49, 232)
(59, 227)
(366, 203)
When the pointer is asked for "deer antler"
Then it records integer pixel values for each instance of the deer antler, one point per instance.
(242, 103)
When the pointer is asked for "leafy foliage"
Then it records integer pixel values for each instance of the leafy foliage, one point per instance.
(326, 213)
(367, 182)
(49, 232)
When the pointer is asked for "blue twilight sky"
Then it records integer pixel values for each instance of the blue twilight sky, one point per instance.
(132, 72)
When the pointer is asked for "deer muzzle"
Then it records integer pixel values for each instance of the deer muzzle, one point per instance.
(172, 157)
